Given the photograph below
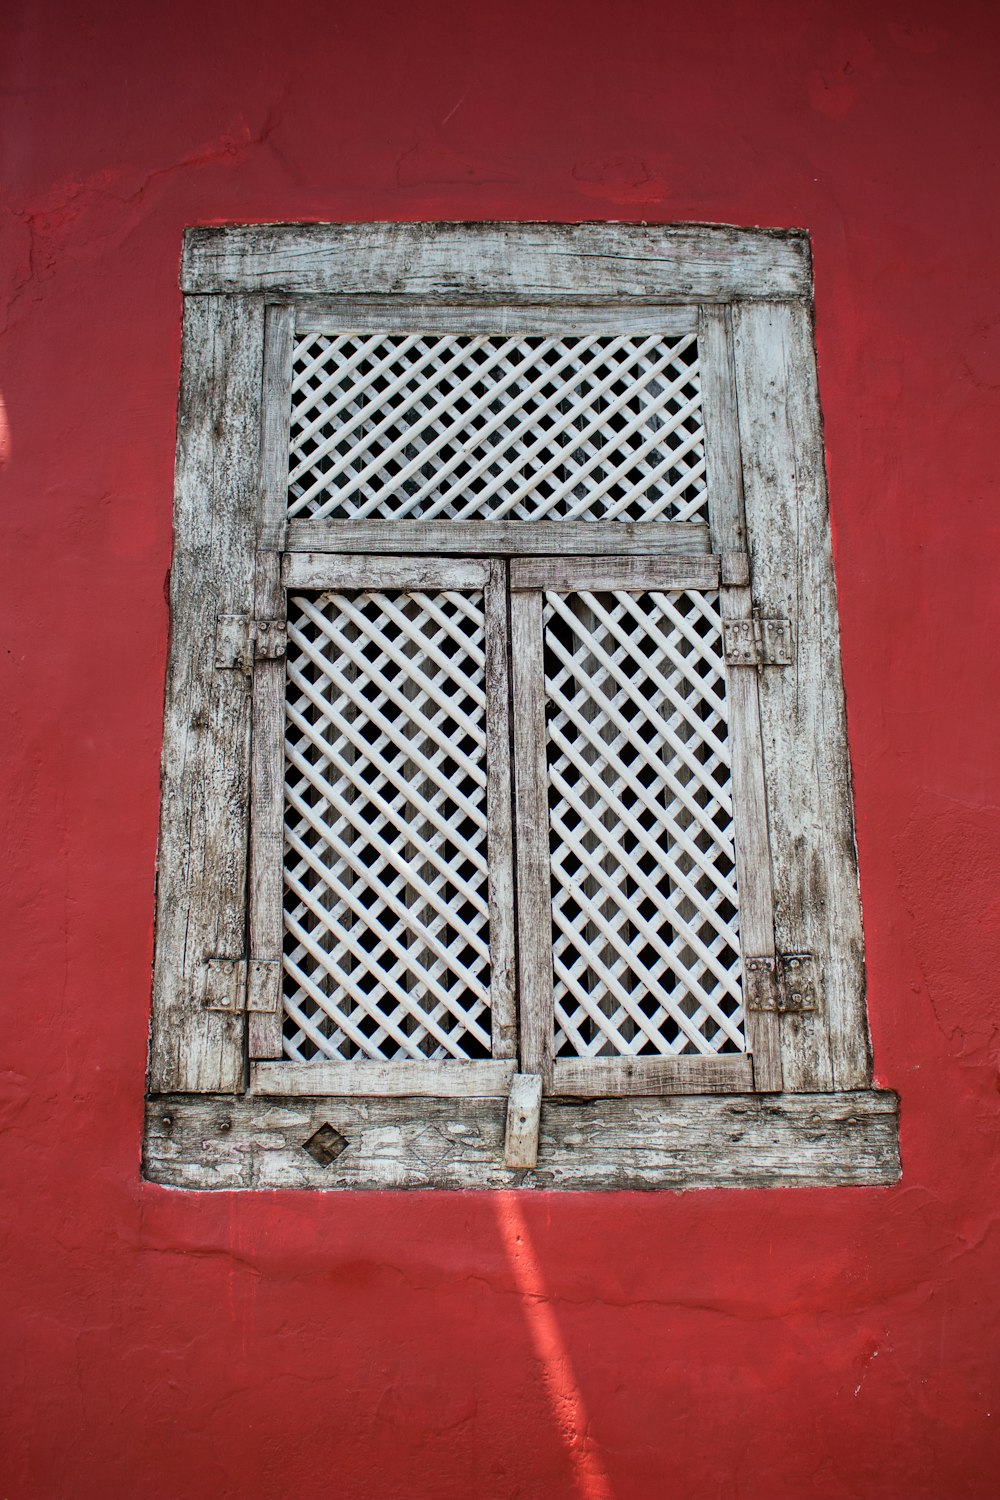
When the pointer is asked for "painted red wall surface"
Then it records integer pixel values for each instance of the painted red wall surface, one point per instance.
(841, 1344)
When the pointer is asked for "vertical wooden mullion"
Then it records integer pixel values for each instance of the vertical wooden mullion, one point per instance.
(753, 849)
(726, 518)
(534, 881)
(267, 799)
(419, 958)
(683, 818)
(267, 806)
(500, 842)
(595, 940)
(727, 528)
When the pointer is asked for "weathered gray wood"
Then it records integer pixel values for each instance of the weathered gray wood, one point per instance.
(524, 1107)
(323, 570)
(514, 263)
(369, 1078)
(612, 1077)
(267, 753)
(500, 834)
(774, 1140)
(201, 890)
(571, 574)
(734, 569)
(753, 849)
(807, 771)
(267, 808)
(353, 314)
(499, 538)
(279, 339)
(534, 882)
(724, 472)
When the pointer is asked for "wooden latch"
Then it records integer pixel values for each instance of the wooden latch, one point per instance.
(788, 983)
(524, 1106)
(757, 643)
(240, 641)
(239, 984)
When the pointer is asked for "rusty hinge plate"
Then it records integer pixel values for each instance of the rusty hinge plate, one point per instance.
(238, 984)
(240, 641)
(757, 643)
(787, 983)
(224, 984)
(268, 639)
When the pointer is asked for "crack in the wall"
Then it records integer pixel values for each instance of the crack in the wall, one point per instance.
(90, 216)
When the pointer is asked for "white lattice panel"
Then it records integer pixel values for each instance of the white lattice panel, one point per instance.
(386, 902)
(645, 911)
(427, 425)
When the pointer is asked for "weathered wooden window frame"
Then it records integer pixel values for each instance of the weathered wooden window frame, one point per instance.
(211, 1123)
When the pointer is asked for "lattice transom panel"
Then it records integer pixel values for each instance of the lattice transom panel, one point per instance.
(386, 902)
(645, 912)
(430, 425)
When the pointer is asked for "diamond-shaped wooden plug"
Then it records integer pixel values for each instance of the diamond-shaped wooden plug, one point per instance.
(325, 1145)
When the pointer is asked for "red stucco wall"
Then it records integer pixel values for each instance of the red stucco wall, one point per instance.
(747, 1346)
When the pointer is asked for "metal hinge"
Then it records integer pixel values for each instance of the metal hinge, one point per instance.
(239, 984)
(757, 643)
(788, 983)
(224, 984)
(240, 641)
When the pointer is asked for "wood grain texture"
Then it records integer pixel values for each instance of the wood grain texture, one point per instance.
(524, 1107)
(807, 771)
(202, 861)
(267, 812)
(513, 263)
(611, 1077)
(780, 1140)
(499, 808)
(727, 522)
(571, 574)
(279, 340)
(322, 570)
(754, 880)
(403, 315)
(499, 538)
(372, 1079)
(723, 465)
(267, 735)
(534, 884)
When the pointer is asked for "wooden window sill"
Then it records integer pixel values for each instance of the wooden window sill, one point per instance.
(632, 1143)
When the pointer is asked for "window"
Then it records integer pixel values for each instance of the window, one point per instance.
(507, 834)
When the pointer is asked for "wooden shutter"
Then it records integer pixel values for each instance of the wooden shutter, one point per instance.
(638, 771)
(398, 911)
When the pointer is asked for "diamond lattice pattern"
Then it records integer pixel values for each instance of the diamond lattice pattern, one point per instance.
(386, 902)
(429, 425)
(645, 913)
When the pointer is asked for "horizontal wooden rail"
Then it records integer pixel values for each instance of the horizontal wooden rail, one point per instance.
(322, 570)
(499, 538)
(568, 575)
